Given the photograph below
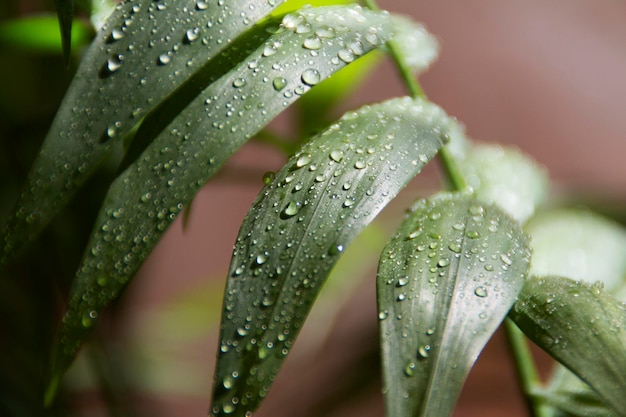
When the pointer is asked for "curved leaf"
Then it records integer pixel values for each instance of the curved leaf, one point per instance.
(143, 53)
(505, 177)
(579, 245)
(445, 282)
(297, 228)
(580, 326)
(146, 198)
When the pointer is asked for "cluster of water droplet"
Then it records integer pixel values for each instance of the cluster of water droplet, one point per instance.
(301, 222)
(454, 264)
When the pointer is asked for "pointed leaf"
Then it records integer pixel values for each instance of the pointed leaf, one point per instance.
(143, 53)
(41, 34)
(445, 282)
(580, 326)
(65, 13)
(297, 228)
(147, 197)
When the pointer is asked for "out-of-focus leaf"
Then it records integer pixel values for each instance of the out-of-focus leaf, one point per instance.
(298, 227)
(568, 396)
(418, 47)
(580, 326)
(41, 34)
(65, 13)
(580, 245)
(505, 177)
(293, 5)
(144, 52)
(147, 197)
(445, 282)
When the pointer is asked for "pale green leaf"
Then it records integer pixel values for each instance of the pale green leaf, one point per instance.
(297, 229)
(144, 52)
(144, 200)
(580, 245)
(582, 327)
(505, 177)
(446, 280)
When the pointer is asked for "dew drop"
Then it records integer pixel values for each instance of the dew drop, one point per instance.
(303, 160)
(423, 351)
(409, 369)
(346, 55)
(279, 83)
(239, 82)
(261, 258)
(268, 177)
(311, 76)
(291, 210)
(472, 234)
(192, 34)
(116, 35)
(336, 155)
(115, 63)
(202, 5)
(312, 43)
(481, 291)
(164, 59)
(359, 164)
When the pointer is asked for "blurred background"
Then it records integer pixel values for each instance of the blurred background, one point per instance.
(546, 77)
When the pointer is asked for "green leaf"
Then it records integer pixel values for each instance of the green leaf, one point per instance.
(580, 245)
(144, 52)
(505, 177)
(65, 13)
(298, 227)
(446, 280)
(569, 396)
(147, 197)
(580, 326)
(41, 34)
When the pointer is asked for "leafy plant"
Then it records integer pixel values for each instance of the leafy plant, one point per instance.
(169, 90)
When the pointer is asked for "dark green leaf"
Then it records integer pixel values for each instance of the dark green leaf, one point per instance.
(445, 282)
(143, 53)
(65, 13)
(298, 227)
(580, 326)
(147, 197)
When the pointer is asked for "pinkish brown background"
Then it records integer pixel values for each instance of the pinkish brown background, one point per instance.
(545, 76)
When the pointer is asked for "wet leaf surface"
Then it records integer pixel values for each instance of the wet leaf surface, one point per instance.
(446, 280)
(298, 227)
(144, 200)
(582, 327)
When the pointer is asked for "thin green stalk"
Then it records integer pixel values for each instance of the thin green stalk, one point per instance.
(276, 141)
(527, 374)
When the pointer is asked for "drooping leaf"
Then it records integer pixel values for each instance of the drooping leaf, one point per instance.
(147, 197)
(418, 47)
(582, 327)
(580, 245)
(505, 177)
(143, 53)
(445, 282)
(65, 13)
(297, 228)
(40, 34)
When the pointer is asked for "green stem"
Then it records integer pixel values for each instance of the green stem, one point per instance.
(276, 141)
(527, 374)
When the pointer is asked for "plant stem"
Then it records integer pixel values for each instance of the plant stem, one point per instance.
(276, 141)
(527, 374)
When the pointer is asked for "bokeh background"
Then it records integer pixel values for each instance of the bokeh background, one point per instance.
(544, 76)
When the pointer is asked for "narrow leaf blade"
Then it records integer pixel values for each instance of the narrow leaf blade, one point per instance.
(581, 326)
(445, 282)
(65, 13)
(144, 200)
(297, 228)
(141, 55)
